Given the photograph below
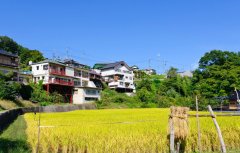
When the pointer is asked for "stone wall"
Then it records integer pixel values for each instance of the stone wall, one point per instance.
(8, 116)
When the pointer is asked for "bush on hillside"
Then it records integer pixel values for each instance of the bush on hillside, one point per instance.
(8, 89)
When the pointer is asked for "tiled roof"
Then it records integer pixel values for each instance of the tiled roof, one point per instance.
(112, 65)
(49, 61)
(3, 52)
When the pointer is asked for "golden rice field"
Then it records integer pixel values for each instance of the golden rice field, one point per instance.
(122, 130)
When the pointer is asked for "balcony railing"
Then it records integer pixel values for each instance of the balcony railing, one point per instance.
(9, 63)
(123, 71)
(61, 82)
(57, 72)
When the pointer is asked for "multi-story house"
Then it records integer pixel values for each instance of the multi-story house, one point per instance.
(9, 62)
(150, 71)
(68, 78)
(118, 75)
(85, 88)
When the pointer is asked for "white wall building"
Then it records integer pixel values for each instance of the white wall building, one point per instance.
(66, 78)
(150, 71)
(117, 75)
(186, 73)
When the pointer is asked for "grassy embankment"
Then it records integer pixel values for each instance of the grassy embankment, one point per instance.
(14, 138)
(7, 104)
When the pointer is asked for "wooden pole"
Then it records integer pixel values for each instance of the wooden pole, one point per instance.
(223, 147)
(198, 126)
(38, 142)
(172, 150)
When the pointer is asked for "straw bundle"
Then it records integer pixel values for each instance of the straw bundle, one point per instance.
(179, 117)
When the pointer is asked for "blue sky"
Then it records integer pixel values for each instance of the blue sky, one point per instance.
(147, 33)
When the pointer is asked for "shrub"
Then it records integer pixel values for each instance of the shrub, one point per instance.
(26, 91)
(9, 89)
(56, 98)
(145, 96)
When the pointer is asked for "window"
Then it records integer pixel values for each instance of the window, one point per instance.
(91, 92)
(21, 79)
(85, 83)
(78, 73)
(85, 74)
(90, 99)
(121, 83)
(126, 77)
(37, 67)
(130, 78)
(45, 67)
(43, 77)
(77, 83)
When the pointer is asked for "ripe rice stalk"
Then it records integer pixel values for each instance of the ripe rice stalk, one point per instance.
(180, 121)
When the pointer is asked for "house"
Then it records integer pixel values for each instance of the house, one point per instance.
(85, 83)
(234, 103)
(118, 75)
(150, 71)
(185, 73)
(9, 62)
(68, 78)
(135, 68)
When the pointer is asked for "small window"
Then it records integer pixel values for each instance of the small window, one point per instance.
(75, 92)
(21, 79)
(121, 83)
(85, 83)
(37, 67)
(43, 77)
(45, 67)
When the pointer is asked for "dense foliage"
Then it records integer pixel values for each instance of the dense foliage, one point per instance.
(8, 89)
(154, 91)
(218, 73)
(40, 95)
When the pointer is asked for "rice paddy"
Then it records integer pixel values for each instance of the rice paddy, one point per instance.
(122, 130)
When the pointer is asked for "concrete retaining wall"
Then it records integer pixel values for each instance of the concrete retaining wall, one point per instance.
(8, 116)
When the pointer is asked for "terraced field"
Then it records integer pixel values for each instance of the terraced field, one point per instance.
(122, 130)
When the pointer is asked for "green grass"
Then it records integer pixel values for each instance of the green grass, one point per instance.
(13, 139)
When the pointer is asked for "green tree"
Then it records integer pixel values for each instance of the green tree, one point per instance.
(218, 73)
(8, 44)
(8, 88)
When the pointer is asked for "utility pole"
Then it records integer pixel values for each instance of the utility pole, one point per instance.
(149, 63)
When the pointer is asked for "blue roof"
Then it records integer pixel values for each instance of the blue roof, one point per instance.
(3, 52)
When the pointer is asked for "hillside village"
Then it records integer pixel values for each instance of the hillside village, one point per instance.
(75, 81)
(70, 81)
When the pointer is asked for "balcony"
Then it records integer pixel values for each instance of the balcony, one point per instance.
(118, 71)
(57, 72)
(61, 82)
(8, 63)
